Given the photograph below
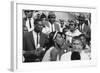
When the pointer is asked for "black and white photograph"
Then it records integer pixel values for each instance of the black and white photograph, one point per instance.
(52, 36)
(55, 36)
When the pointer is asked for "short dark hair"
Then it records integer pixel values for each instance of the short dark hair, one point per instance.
(28, 11)
(36, 21)
(43, 16)
(51, 15)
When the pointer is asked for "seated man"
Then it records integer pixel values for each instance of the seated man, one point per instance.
(34, 43)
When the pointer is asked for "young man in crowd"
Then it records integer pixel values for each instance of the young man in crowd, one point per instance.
(29, 21)
(34, 43)
(84, 25)
(45, 24)
(53, 25)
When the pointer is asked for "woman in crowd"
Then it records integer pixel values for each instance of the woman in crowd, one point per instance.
(57, 49)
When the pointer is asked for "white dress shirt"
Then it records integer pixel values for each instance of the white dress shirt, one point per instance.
(51, 27)
(61, 28)
(35, 39)
(48, 29)
(28, 25)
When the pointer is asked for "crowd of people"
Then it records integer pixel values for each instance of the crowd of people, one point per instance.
(47, 39)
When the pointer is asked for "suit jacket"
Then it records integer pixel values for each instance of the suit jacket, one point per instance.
(56, 26)
(28, 41)
(86, 29)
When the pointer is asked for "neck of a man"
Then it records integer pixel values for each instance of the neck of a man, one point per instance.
(37, 31)
(28, 17)
(72, 30)
(51, 22)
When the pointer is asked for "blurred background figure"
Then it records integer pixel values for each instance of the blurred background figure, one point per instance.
(44, 19)
(53, 25)
(34, 43)
(73, 31)
(62, 25)
(84, 25)
(29, 21)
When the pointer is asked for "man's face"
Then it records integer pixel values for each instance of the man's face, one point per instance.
(72, 26)
(83, 39)
(59, 40)
(81, 21)
(29, 14)
(38, 16)
(52, 19)
(62, 23)
(39, 26)
(77, 45)
(44, 20)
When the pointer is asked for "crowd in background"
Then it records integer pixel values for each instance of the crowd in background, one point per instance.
(48, 38)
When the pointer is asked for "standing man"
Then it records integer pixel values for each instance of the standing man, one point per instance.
(53, 25)
(29, 20)
(34, 43)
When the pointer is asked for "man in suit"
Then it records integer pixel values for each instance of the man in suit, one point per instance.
(84, 25)
(53, 24)
(28, 20)
(34, 43)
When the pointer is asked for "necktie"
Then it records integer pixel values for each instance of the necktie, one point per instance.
(52, 28)
(37, 38)
(30, 23)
